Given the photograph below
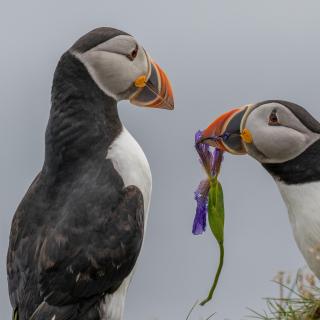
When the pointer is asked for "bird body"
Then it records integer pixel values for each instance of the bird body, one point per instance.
(303, 204)
(77, 233)
(285, 139)
(112, 306)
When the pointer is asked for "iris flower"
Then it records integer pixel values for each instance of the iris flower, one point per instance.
(209, 197)
(211, 162)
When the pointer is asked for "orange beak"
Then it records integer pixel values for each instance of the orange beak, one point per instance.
(154, 91)
(228, 126)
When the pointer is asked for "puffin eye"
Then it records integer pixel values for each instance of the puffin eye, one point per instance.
(273, 118)
(132, 55)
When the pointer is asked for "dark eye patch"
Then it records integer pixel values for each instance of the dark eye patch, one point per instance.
(132, 55)
(273, 118)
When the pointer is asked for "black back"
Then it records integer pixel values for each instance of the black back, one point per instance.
(78, 231)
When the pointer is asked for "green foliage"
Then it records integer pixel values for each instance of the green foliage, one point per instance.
(216, 210)
(15, 315)
(297, 301)
(192, 309)
(216, 222)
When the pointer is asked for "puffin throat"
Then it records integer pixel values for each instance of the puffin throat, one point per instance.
(83, 120)
(303, 169)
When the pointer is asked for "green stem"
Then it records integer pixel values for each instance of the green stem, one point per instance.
(221, 247)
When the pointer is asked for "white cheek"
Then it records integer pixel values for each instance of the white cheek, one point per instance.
(141, 62)
(277, 143)
(113, 73)
(281, 144)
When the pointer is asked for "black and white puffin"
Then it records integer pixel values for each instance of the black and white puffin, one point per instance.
(285, 139)
(77, 233)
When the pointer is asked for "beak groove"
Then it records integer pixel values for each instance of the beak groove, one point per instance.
(217, 129)
(228, 127)
(156, 91)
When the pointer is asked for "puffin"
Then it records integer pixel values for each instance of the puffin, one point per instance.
(285, 138)
(76, 235)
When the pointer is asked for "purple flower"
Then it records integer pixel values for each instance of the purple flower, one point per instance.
(217, 160)
(201, 196)
(211, 162)
(205, 155)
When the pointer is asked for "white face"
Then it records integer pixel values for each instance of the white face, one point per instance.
(115, 65)
(277, 134)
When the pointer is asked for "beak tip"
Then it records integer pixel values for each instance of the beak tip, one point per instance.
(170, 103)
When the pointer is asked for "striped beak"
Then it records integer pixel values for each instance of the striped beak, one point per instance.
(229, 126)
(153, 90)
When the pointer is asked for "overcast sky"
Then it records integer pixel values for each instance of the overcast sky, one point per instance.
(218, 54)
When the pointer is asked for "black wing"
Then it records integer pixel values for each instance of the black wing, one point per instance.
(73, 260)
(77, 264)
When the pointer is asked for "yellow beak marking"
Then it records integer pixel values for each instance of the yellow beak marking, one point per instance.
(246, 135)
(140, 82)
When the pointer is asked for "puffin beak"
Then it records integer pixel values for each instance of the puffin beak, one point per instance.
(230, 128)
(153, 90)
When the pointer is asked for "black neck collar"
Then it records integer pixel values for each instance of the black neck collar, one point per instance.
(83, 120)
(303, 169)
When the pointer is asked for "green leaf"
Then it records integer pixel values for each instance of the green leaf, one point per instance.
(15, 315)
(216, 210)
(216, 222)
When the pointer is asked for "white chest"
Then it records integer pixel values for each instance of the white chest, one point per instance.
(131, 163)
(303, 203)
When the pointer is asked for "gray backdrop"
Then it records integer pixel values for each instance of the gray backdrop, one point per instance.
(218, 54)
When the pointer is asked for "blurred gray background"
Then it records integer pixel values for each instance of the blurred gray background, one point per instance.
(218, 54)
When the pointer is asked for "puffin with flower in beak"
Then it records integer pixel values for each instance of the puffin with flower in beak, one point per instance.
(78, 231)
(285, 139)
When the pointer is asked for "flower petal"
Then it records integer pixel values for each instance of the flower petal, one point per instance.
(211, 162)
(201, 196)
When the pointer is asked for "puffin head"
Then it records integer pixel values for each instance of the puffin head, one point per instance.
(123, 69)
(272, 132)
